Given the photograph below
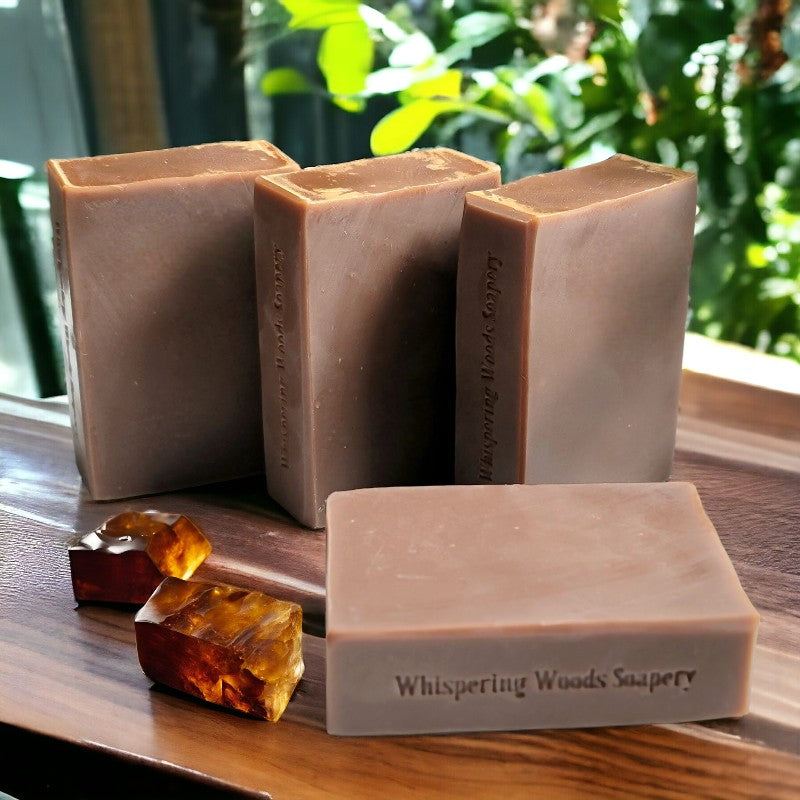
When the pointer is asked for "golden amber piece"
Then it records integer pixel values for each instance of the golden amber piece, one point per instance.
(234, 647)
(126, 558)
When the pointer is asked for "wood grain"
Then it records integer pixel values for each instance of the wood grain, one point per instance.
(71, 673)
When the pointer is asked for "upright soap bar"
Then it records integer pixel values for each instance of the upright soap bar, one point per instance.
(154, 254)
(572, 304)
(356, 269)
(470, 608)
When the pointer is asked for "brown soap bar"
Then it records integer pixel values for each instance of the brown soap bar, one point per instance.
(154, 254)
(468, 608)
(572, 305)
(356, 269)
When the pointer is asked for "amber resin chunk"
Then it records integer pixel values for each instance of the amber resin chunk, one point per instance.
(126, 558)
(234, 647)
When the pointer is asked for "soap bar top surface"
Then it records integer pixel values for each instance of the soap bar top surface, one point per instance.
(492, 558)
(371, 176)
(614, 179)
(173, 163)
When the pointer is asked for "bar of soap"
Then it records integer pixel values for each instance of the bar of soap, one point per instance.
(154, 255)
(356, 270)
(478, 608)
(229, 646)
(127, 557)
(572, 305)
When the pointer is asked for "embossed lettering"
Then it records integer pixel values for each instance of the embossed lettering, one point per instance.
(457, 688)
(492, 294)
(280, 353)
(654, 679)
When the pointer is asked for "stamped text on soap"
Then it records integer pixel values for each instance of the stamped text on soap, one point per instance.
(280, 353)
(543, 680)
(491, 298)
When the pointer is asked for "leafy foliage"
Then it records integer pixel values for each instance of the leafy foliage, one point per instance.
(712, 86)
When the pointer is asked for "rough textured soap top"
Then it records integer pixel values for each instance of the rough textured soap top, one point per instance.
(371, 176)
(567, 190)
(173, 163)
(453, 558)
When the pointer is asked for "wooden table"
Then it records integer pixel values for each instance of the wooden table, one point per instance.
(70, 683)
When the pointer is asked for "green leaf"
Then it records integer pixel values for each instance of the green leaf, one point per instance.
(390, 80)
(597, 151)
(345, 57)
(413, 51)
(458, 51)
(399, 129)
(547, 66)
(790, 35)
(538, 101)
(668, 41)
(596, 124)
(354, 105)
(608, 9)
(446, 85)
(501, 95)
(316, 14)
(379, 22)
(472, 31)
(756, 255)
(480, 27)
(284, 80)
(788, 345)
(267, 16)
(639, 12)
(777, 288)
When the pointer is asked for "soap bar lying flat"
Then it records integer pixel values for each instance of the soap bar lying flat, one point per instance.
(572, 304)
(154, 254)
(230, 646)
(356, 268)
(468, 608)
(128, 556)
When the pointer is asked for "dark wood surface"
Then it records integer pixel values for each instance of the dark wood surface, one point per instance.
(70, 683)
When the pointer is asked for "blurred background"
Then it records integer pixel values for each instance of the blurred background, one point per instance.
(711, 86)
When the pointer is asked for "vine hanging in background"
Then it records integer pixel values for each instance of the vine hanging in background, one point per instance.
(711, 86)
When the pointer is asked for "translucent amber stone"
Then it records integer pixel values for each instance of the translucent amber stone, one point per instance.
(125, 559)
(237, 648)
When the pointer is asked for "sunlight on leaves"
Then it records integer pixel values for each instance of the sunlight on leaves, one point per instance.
(399, 130)
(413, 51)
(318, 14)
(345, 59)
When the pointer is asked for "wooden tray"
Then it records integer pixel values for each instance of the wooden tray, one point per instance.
(70, 674)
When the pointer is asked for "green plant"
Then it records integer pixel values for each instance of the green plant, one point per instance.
(712, 86)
